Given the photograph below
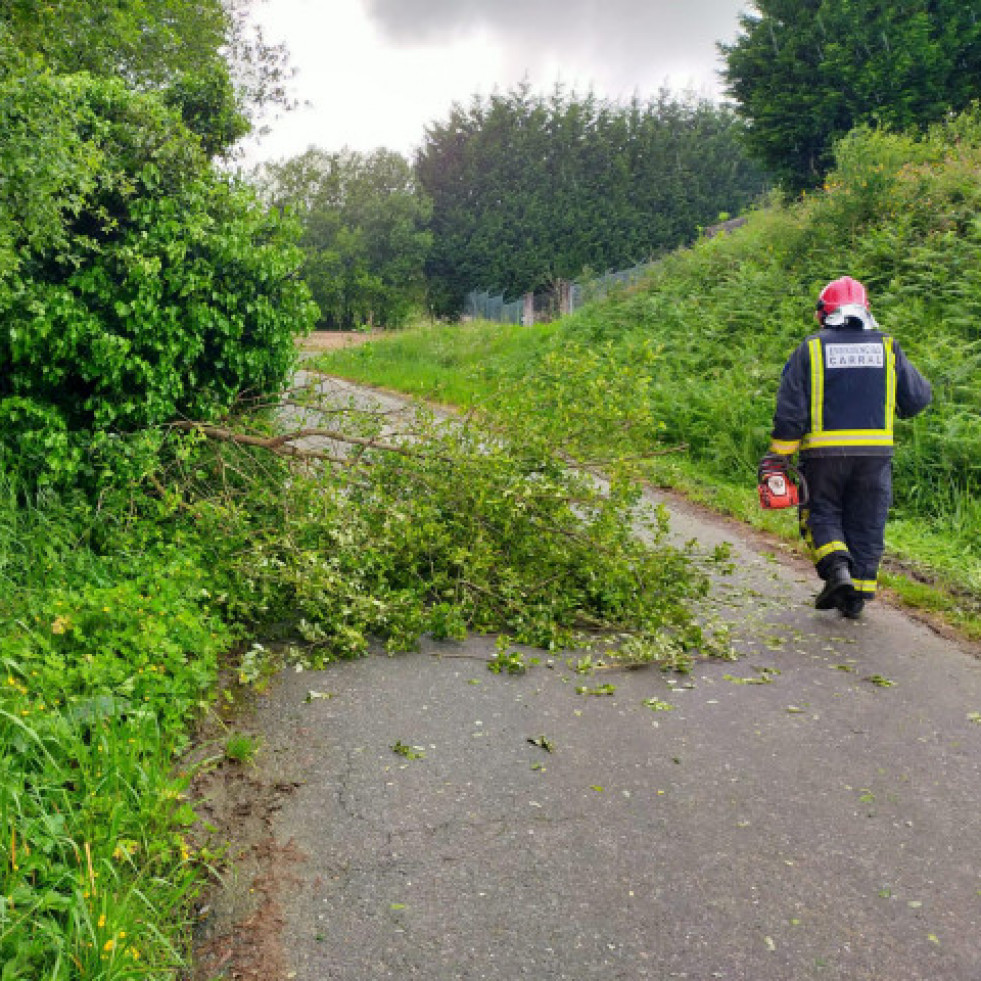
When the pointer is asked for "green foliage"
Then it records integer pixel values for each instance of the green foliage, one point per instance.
(205, 58)
(593, 402)
(803, 75)
(527, 189)
(103, 660)
(241, 748)
(208, 105)
(409, 752)
(506, 660)
(112, 621)
(365, 237)
(477, 525)
(147, 43)
(696, 352)
(136, 284)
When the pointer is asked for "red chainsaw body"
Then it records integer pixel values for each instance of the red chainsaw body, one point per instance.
(777, 491)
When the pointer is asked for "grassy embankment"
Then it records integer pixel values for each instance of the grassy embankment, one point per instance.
(694, 354)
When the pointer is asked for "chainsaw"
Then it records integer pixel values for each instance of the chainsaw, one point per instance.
(780, 485)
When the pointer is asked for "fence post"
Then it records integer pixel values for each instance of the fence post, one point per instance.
(565, 297)
(528, 317)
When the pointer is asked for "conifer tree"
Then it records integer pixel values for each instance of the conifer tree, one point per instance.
(528, 189)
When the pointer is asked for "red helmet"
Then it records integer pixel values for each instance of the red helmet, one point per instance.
(841, 292)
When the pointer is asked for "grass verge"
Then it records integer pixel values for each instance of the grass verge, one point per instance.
(104, 664)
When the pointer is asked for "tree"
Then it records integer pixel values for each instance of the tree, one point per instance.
(804, 73)
(365, 234)
(136, 283)
(203, 55)
(528, 189)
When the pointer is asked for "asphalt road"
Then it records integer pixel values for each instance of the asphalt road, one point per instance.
(808, 811)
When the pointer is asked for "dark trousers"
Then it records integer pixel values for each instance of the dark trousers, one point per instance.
(845, 517)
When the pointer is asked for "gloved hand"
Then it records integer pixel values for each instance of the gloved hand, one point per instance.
(772, 463)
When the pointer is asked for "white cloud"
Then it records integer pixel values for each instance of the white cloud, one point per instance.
(375, 72)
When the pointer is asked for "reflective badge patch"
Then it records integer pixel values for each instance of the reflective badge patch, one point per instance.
(854, 356)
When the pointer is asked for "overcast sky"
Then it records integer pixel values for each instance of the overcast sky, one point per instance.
(375, 72)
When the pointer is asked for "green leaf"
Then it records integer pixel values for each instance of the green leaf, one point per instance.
(409, 752)
(879, 681)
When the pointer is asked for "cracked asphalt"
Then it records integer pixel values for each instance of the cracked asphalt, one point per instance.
(810, 810)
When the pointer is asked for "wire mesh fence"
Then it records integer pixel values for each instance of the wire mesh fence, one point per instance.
(599, 286)
(484, 306)
(546, 305)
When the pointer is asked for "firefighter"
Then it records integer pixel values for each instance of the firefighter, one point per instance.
(838, 395)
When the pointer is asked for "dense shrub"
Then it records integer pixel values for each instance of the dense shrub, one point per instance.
(136, 283)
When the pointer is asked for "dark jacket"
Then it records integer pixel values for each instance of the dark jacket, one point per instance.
(840, 392)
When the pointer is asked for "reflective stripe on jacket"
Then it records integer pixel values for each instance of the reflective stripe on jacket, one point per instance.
(840, 392)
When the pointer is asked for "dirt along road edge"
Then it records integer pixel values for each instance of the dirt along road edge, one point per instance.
(331, 340)
(809, 811)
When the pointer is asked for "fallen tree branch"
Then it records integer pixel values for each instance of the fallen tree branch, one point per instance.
(282, 445)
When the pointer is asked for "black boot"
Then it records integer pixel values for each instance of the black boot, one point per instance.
(838, 588)
(851, 607)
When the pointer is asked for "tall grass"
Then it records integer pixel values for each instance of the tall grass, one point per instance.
(453, 365)
(718, 321)
(103, 662)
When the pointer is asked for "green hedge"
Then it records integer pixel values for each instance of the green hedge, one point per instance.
(137, 283)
